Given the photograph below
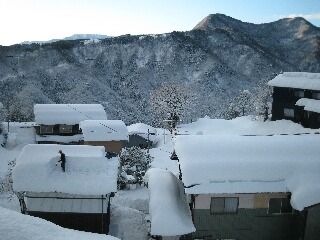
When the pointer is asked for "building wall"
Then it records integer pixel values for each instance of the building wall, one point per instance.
(96, 223)
(110, 146)
(251, 222)
(247, 224)
(312, 230)
(259, 200)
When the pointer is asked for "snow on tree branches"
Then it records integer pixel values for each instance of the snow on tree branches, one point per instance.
(171, 102)
(134, 163)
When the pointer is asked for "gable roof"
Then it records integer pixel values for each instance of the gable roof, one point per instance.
(88, 171)
(301, 80)
(104, 130)
(170, 214)
(50, 114)
(243, 164)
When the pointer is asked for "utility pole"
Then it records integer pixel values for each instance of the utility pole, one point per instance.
(148, 140)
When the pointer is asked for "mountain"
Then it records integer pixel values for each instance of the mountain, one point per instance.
(73, 37)
(217, 59)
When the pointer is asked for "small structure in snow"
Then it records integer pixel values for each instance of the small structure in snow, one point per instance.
(108, 133)
(253, 180)
(78, 198)
(168, 207)
(141, 135)
(59, 123)
(288, 89)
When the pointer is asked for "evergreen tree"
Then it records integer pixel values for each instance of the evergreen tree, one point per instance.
(133, 162)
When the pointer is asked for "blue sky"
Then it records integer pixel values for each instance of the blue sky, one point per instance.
(40, 20)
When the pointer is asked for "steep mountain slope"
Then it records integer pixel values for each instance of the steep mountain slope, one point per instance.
(217, 59)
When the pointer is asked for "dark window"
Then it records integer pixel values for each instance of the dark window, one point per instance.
(223, 205)
(299, 93)
(279, 205)
(44, 129)
(316, 95)
(65, 128)
(288, 112)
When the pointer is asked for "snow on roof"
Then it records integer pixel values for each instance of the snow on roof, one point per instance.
(301, 80)
(311, 105)
(168, 206)
(17, 226)
(141, 130)
(242, 126)
(104, 130)
(88, 171)
(50, 114)
(244, 164)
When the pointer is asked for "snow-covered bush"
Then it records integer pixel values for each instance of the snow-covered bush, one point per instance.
(6, 182)
(134, 163)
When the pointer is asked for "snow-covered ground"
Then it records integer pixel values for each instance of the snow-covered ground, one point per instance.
(129, 208)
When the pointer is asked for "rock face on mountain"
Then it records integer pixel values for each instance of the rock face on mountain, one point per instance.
(217, 59)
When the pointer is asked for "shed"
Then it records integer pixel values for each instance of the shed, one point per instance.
(78, 198)
(108, 133)
(141, 135)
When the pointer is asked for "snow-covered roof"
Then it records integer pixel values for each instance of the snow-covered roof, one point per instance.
(141, 129)
(311, 105)
(50, 114)
(168, 207)
(242, 126)
(252, 164)
(301, 80)
(104, 130)
(17, 226)
(88, 171)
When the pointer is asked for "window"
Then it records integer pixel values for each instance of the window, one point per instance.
(288, 112)
(65, 128)
(223, 205)
(44, 129)
(299, 93)
(279, 205)
(316, 95)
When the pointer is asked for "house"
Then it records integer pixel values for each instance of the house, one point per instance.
(112, 134)
(78, 198)
(59, 123)
(252, 187)
(288, 89)
(169, 211)
(141, 135)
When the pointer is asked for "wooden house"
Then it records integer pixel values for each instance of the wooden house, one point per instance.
(59, 123)
(78, 198)
(288, 89)
(112, 134)
(252, 187)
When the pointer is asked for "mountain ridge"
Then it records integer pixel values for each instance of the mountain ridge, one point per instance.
(121, 72)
